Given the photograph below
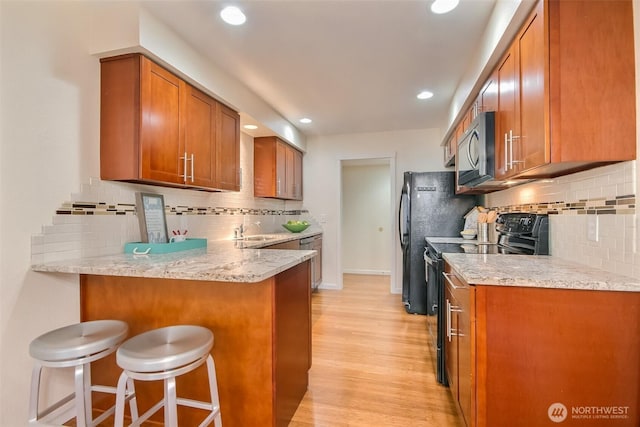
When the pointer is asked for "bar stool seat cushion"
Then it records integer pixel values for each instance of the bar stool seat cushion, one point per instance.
(79, 340)
(165, 348)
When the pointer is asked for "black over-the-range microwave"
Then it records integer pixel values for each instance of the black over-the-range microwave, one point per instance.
(475, 154)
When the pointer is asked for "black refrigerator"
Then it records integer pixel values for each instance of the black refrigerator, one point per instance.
(429, 207)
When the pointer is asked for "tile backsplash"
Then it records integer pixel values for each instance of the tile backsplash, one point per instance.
(103, 225)
(100, 218)
(592, 217)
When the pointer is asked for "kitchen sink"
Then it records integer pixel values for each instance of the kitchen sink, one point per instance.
(260, 238)
(257, 238)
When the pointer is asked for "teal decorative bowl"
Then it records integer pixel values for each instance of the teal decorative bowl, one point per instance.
(296, 228)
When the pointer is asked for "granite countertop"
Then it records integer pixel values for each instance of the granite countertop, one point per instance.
(460, 240)
(273, 238)
(536, 271)
(225, 261)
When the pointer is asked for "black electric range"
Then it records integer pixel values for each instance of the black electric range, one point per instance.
(518, 234)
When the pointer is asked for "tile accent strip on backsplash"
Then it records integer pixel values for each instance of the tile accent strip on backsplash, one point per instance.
(101, 208)
(619, 205)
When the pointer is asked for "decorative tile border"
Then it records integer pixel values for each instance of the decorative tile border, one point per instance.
(621, 205)
(101, 208)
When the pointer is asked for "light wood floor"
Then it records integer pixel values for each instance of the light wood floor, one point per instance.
(371, 362)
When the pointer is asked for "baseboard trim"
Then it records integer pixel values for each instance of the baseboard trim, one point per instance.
(371, 272)
(329, 286)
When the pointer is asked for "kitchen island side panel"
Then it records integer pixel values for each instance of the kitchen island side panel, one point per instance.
(292, 338)
(242, 317)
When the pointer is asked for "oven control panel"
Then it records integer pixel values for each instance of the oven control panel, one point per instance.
(518, 223)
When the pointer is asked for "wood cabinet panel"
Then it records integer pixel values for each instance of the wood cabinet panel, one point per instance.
(458, 297)
(450, 151)
(532, 145)
(291, 244)
(489, 94)
(228, 149)
(292, 340)
(120, 118)
(155, 128)
(198, 155)
(609, 111)
(277, 169)
(506, 123)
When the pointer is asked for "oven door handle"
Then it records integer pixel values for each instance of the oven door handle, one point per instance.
(427, 258)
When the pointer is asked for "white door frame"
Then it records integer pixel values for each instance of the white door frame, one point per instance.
(391, 158)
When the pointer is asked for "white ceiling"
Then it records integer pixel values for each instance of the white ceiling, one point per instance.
(350, 65)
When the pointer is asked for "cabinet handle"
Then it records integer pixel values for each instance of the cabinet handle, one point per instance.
(454, 332)
(511, 138)
(278, 189)
(184, 167)
(510, 148)
(447, 277)
(450, 331)
(448, 316)
(506, 153)
(192, 168)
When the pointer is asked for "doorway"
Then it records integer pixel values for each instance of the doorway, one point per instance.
(366, 217)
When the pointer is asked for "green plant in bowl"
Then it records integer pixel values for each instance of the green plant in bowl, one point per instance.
(296, 226)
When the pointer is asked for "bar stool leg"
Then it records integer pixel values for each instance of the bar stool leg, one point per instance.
(35, 388)
(133, 402)
(82, 383)
(213, 390)
(170, 403)
(120, 395)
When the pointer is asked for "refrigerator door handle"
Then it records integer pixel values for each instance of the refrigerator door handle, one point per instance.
(402, 219)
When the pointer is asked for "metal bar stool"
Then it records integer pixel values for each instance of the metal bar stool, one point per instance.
(164, 354)
(76, 346)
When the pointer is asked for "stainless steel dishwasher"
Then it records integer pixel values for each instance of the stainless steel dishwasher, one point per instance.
(314, 243)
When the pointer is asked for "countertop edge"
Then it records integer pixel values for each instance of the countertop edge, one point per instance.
(236, 265)
(536, 271)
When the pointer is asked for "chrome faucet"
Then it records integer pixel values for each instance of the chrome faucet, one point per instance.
(238, 232)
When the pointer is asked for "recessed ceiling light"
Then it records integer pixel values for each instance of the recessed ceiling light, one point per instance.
(443, 6)
(425, 94)
(251, 127)
(305, 120)
(233, 16)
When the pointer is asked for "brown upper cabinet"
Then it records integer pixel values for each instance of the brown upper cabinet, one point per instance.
(566, 99)
(277, 169)
(155, 128)
(450, 151)
(488, 98)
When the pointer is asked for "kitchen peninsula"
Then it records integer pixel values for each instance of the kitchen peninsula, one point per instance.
(255, 301)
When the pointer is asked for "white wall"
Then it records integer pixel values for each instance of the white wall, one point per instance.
(413, 150)
(366, 219)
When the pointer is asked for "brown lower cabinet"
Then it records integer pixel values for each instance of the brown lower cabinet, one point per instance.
(518, 356)
(262, 339)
